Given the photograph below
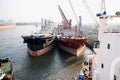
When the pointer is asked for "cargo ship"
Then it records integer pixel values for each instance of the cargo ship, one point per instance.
(6, 69)
(105, 64)
(108, 54)
(70, 39)
(40, 42)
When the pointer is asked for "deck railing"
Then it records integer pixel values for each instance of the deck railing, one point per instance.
(113, 30)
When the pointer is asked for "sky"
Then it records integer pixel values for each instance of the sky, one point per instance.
(34, 10)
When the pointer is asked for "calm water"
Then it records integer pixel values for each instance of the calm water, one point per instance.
(25, 66)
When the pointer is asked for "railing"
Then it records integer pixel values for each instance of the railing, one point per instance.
(113, 30)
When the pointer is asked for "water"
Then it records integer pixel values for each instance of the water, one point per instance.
(25, 66)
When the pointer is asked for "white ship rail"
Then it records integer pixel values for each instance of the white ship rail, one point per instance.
(113, 30)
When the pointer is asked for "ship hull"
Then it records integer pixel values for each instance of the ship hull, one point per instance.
(39, 45)
(73, 46)
(41, 51)
(77, 52)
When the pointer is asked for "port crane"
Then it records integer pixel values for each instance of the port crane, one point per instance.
(78, 22)
(66, 23)
(90, 13)
(73, 11)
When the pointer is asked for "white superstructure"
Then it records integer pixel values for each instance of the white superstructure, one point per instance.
(108, 62)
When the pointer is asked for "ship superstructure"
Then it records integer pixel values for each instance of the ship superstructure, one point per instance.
(108, 55)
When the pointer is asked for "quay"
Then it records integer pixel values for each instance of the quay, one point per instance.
(69, 73)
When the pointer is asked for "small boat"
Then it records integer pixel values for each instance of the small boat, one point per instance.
(39, 43)
(6, 69)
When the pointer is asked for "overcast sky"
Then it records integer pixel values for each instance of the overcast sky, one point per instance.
(34, 10)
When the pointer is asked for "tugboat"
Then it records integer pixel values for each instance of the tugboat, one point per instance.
(6, 69)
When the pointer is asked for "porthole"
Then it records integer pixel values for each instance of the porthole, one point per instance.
(108, 46)
(102, 65)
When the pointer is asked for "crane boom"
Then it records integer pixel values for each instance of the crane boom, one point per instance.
(90, 13)
(73, 11)
(66, 23)
(62, 14)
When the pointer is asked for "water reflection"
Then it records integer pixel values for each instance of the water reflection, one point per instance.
(27, 67)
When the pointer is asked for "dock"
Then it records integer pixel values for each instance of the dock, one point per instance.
(68, 73)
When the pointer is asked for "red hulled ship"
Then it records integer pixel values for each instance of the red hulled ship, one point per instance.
(70, 39)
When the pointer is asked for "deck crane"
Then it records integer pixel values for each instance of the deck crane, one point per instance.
(73, 11)
(90, 13)
(66, 23)
(78, 29)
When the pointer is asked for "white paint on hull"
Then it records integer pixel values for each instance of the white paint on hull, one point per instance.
(40, 52)
(77, 52)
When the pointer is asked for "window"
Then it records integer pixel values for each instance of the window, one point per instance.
(108, 46)
(102, 65)
(115, 77)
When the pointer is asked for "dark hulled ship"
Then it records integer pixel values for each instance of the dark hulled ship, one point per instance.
(39, 44)
(43, 41)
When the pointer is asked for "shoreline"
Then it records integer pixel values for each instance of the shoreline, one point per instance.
(2, 27)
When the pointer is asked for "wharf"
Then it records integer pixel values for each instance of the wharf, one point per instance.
(69, 73)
